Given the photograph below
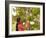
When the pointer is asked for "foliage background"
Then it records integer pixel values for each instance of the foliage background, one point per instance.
(30, 13)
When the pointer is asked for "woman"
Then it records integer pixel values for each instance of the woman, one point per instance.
(27, 25)
(19, 26)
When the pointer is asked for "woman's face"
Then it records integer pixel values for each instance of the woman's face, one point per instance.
(20, 21)
(27, 21)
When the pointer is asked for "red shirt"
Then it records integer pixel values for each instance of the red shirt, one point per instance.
(20, 26)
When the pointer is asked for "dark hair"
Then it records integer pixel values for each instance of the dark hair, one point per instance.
(17, 27)
(18, 19)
